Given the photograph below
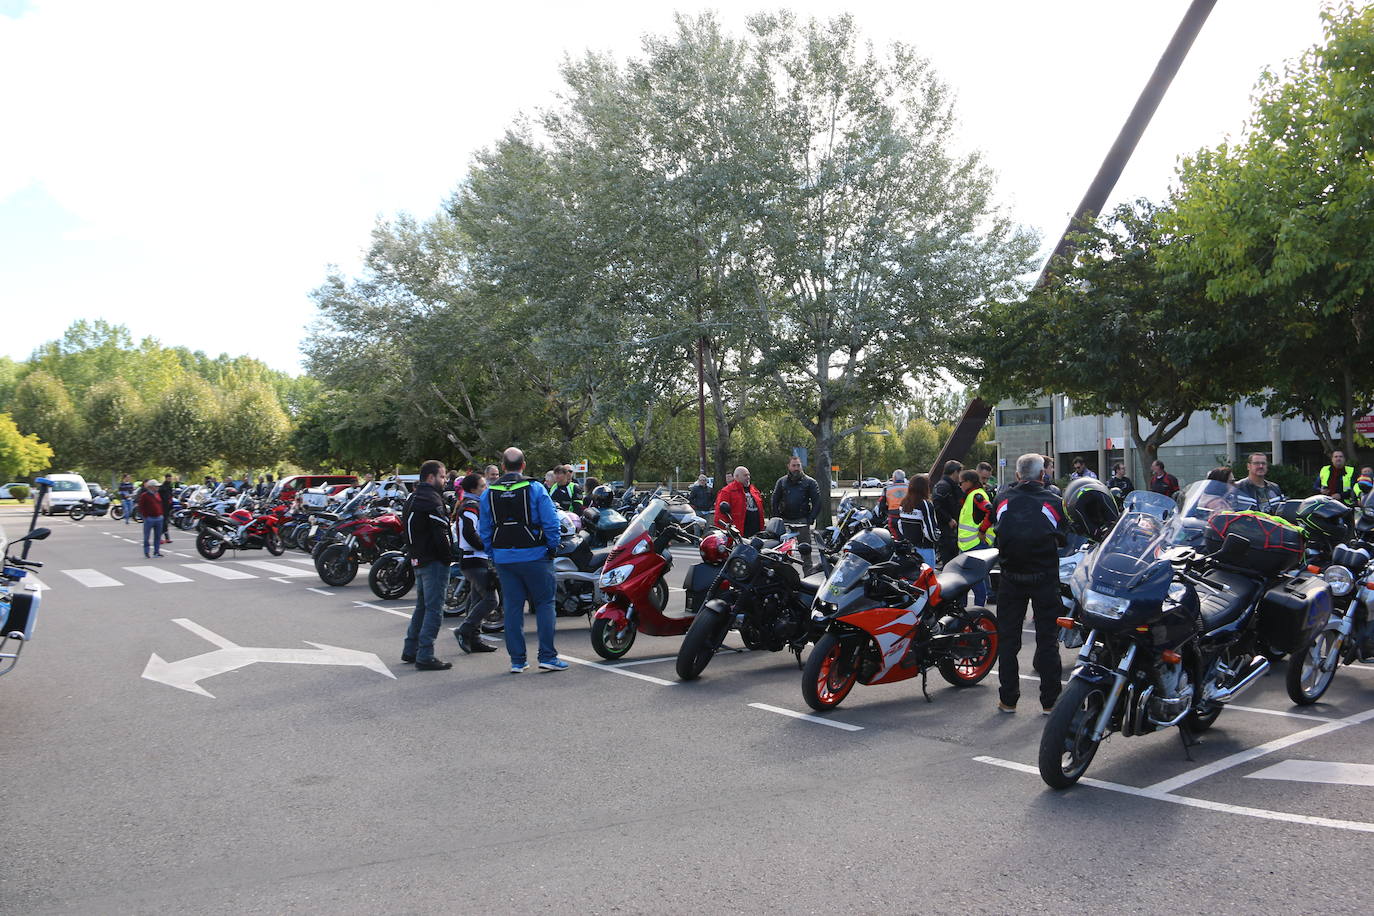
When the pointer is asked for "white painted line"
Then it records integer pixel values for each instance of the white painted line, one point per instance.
(1278, 744)
(156, 573)
(641, 661)
(1280, 712)
(845, 726)
(276, 569)
(1339, 774)
(209, 636)
(172, 553)
(318, 591)
(1264, 813)
(92, 579)
(614, 670)
(221, 572)
(303, 561)
(377, 607)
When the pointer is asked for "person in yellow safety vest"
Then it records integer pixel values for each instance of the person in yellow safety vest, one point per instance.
(894, 491)
(1337, 479)
(975, 524)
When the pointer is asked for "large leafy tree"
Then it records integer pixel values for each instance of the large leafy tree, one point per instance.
(1284, 219)
(43, 406)
(113, 441)
(20, 455)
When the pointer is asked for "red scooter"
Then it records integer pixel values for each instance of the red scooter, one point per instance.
(633, 580)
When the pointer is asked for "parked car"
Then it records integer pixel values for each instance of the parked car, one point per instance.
(5, 490)
(67, 491)
(868, 483)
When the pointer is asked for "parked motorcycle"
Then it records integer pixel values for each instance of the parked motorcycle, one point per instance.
(887, 617)
(98, 506)
(239, 530)
(1175, 632)
(577, 571)
(357, 540)
(19, 605)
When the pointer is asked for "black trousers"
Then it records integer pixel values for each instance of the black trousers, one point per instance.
(947, 548)
(1043, 599)
(482, 581)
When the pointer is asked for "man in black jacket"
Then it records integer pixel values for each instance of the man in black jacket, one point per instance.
(1030, 530)
(797, 499)
(430, 549)
(700, 497)
(948, 498)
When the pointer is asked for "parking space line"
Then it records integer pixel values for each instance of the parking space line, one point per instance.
(318, 591)
(1280, 712)
(843, 726)
(1336, 774)
(615, 670)
(1268, 747)
(276, 569)
(1263, 813)
(641, 661)
(389, 610)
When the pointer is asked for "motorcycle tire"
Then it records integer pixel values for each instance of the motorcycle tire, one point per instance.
(335, 566)
(211, 548)
(117, 513)
(1066, 746)
(274, 543)
(186, 522)
(391, 577)
(829, 673)
(609, 643)
(1201, 721)
(456, 596)
(1306, 681)
(76, 513)
(965, 672)
(704, 637)
(138, 515)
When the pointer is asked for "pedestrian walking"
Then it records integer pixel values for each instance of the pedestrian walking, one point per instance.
(797, 499)
(699, 496)
(916, 519)
(127, 489)
(742, 502)
(520, 525)
(150, 504)
(475, 561)
(948, 498)
(1030, 530)
(165, 493)
(430, 551)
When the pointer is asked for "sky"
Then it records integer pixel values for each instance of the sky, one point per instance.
(192, 170)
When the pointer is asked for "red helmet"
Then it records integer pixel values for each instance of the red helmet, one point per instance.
(715, 547)
(242, 516)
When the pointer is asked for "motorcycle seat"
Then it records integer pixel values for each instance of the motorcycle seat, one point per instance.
(812, 584)
(1230, 593)
(599, 556)
(964, 571)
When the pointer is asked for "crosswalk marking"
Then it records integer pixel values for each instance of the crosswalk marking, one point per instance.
(156, 573)
(276, 569)
(92, 579)
(305, 561)
(222, 572)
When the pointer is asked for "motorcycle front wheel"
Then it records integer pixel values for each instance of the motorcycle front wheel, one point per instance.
(829, 674)
(1306, 680)
(275, 546)
(699, 646)
(391, 577)
(76, 513)
(965, 672)
(610, 643)
(1067, 746)
(336, 565)
(211, 548)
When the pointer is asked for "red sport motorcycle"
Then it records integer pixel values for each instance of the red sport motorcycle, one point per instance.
(361, 539)
(239, 530)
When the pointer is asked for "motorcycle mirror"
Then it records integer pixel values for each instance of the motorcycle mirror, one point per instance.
(37, 534)
(724, 510)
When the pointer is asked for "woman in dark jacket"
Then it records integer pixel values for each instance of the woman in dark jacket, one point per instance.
(165, 492)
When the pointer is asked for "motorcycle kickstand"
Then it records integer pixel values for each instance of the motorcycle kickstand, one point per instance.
(924, 692)
(797, 651)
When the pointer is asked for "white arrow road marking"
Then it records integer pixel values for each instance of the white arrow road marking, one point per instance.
(92, 579)
(222, 572)
(1341, 774)
(276, 569)
(185, 674)
(156, 573)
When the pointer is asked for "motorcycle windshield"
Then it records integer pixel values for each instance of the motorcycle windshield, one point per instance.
(848, 573)
(1130, 562)
(356, 502)
(649, 519)
(1151, 503)
(1203, 499)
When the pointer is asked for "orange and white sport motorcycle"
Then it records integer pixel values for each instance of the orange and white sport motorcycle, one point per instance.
(889, 617)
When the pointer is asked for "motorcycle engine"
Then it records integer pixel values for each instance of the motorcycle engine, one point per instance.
(1174, 692)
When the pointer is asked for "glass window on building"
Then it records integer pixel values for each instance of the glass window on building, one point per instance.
(1023, 416)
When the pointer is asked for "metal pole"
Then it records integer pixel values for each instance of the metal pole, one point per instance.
(701, 405)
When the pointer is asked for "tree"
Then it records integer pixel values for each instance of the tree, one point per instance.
(180, 428)
(42, 406)
(113, 442)
(1118, 331)
(253, 429)
(20, 455)
(1282, 219)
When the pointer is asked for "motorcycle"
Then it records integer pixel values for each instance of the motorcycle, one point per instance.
(852, 519)
(887, 617)
(239, 530)
(19, 605)
(97, 506)
(577, 571)
(357, 540)
(634, 584)
(1174, 632)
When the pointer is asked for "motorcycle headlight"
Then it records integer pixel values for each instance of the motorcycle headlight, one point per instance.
(1340, 580)
(1105, 605)
(1066, 567)
(738, 569)
(613, 577)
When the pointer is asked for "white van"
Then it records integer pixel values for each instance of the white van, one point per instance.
(67, 490)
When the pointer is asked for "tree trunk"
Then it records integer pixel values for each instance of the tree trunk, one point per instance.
(825, 442)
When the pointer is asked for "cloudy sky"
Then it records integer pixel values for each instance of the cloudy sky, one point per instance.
(191, 169)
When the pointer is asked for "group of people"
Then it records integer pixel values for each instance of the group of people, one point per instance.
(153, 500)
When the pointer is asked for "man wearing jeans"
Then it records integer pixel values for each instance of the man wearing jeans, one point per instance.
(519, 523)
(430, 549)
(126, 497)
(150, 504)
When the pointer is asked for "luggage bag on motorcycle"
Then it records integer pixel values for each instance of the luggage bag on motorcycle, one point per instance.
(1275, 545)
(700, 577)
(1293, 612)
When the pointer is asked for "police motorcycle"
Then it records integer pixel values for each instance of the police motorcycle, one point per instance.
(603, 523)
(98, 505)
(18, 603)
(1176, 613)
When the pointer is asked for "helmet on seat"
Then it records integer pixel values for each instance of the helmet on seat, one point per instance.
(1325, 518)
(715, 547)
(1091, 508)
(873, 545)
(602, 497)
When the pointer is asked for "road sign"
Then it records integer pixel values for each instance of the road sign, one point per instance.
(834, 469)
(185, 674)
(580, 467)
(1365, 425)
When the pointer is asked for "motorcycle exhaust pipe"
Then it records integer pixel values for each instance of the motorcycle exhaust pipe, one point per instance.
(1259, 666)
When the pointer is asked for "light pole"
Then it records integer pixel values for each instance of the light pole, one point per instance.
(862, 433)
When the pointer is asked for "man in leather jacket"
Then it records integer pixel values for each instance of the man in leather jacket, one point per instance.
(429, 546)
(797, 499)
(948, 498)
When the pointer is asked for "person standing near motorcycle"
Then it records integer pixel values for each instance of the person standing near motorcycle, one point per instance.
(1030, 530)
(1161, 481)
(744, 504)
(126, 497)
(427, 533)
(916, 520)
(1337, 479)
(475, 562)
(150, 504)
(948, 498)
(797, 499)
(565, 493)
(975, 524)
(894, 491)
(700, 497)
(1119, 480)
(492, 473)
(165, 492)
(520, 524)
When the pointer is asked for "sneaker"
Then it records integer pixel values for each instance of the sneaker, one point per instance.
(553, 664)
(1003, 707)
(518, 667)
(158, 556)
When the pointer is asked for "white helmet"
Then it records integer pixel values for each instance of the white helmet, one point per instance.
(570, 523)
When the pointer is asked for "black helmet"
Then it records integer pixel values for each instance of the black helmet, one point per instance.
(1090, 506)
(602, 497)
(1325, 518)
(873, 545)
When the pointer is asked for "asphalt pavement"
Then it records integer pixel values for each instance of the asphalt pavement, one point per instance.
(230, 737)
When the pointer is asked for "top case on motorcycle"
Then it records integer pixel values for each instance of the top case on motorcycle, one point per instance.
(1227, 598)
(960, 573)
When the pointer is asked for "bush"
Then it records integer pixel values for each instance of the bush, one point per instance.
(20, 492)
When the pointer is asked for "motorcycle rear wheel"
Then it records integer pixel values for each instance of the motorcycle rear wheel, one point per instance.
(275, 546)
(335, 565)
(211, 548)
(610, 643)
(76, 513)
(965, 672)
(1306, 681)
(391, 577)
(829, 674)
(1067, 747)
(704, 637)
(117, 512)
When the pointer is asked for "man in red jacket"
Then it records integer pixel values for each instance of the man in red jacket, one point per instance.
(745, 502)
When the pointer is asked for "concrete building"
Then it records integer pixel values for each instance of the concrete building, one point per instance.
(1050, 426)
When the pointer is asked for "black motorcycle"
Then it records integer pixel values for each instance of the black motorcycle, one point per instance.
(1175, 632)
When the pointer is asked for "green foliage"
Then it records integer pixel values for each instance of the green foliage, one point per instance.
(43, 407)
(20, 455)
(19, 492)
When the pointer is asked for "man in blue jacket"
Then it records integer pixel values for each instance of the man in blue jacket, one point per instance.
(520, 524)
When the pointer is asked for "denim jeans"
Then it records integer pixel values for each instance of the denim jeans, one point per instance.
(532, 581)
(128, 505)
(430, 581)
(928, 555)
(154, 526)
